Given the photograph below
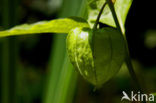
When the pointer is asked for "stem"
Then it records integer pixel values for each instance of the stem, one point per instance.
(128, 60)
(111, 6)
(99, 15)
(132, 73)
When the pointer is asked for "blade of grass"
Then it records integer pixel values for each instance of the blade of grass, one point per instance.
(60, 75)
(66, 84)
(57, 56)
(4, 56)
(4, 72)
(13, 51)
(8, 48)
(68, 77)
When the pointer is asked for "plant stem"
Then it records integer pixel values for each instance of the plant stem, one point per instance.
(111, 6)
(128, 60)
(132, 73)
(99, 15)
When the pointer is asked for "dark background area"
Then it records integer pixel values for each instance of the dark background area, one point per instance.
(140, 19)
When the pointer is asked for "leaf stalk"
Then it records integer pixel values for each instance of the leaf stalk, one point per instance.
(99, 15)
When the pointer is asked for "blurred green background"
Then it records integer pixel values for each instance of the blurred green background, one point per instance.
(36, 69)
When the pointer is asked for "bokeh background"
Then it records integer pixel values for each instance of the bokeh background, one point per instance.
(35, 68)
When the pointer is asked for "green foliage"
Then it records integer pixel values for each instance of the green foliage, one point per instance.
(65, 25)
(101, 63)
(121, 6)
(53, 26)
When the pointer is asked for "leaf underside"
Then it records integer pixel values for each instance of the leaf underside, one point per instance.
(53, 26)
(121, 7)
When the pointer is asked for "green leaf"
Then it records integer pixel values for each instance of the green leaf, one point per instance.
(53, 26)
(121, 7)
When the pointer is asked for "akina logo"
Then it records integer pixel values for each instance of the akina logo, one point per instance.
(137, 97)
